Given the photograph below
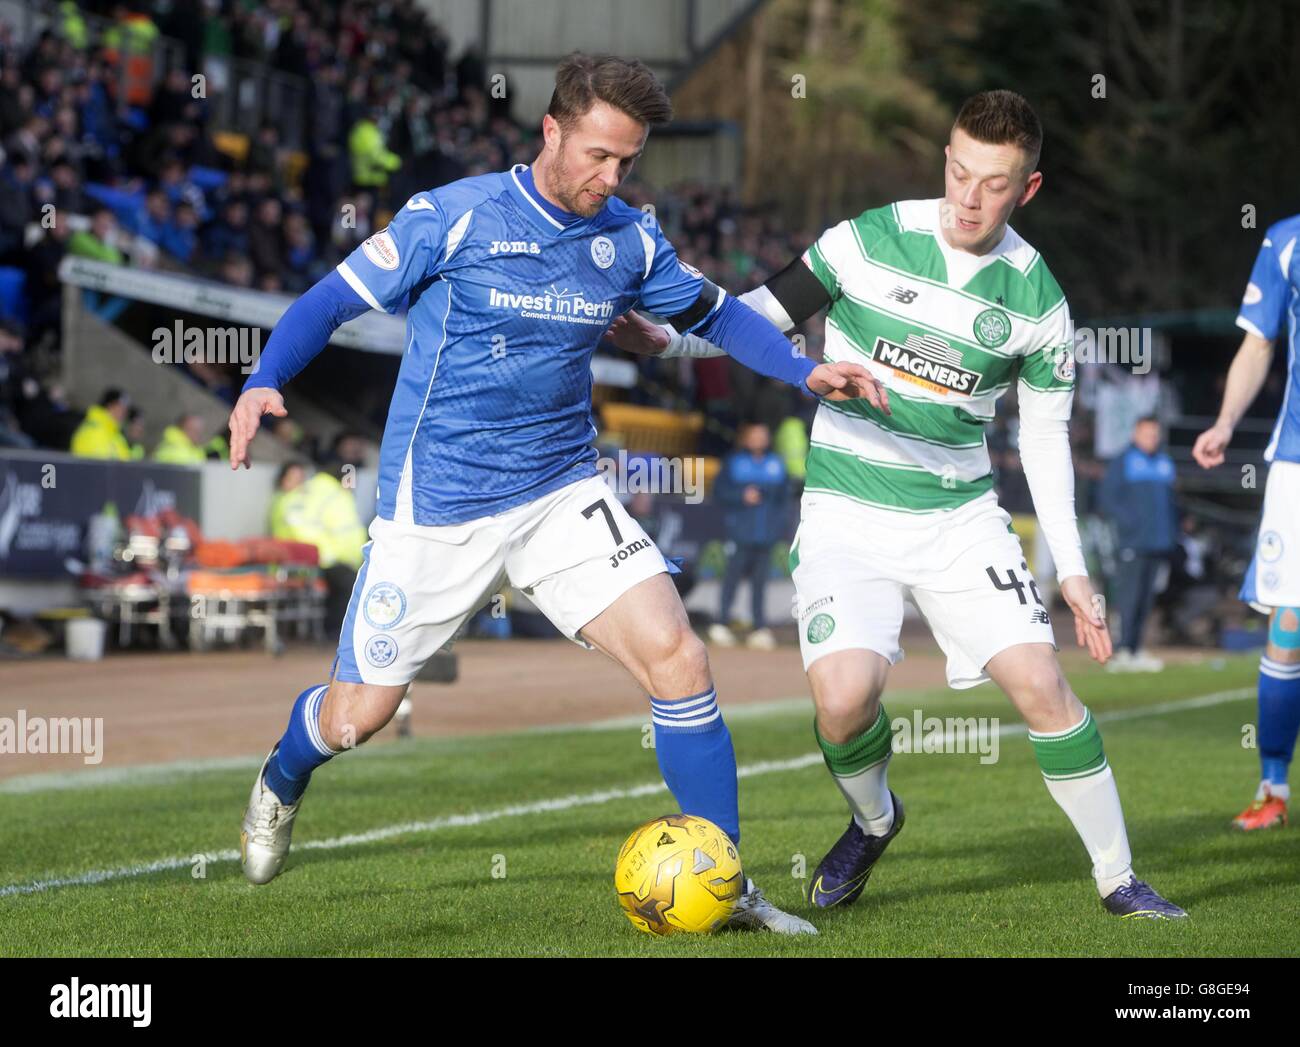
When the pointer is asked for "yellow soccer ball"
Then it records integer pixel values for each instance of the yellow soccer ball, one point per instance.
(678, 873)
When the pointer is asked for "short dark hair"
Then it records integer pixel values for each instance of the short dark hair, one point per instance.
(111, 396)
(623, 83)
(1002, 118)
(285, 469)
(1147, 418)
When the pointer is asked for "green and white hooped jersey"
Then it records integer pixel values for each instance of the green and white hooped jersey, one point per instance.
(946, 332)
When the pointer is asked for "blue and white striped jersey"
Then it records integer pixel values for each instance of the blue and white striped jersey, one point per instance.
(507, 299)
(1272, 300)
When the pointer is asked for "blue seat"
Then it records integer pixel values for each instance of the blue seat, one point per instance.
(207, 178)
(13, 296)
(123, 204)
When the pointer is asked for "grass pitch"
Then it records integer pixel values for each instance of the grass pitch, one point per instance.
(504, 845)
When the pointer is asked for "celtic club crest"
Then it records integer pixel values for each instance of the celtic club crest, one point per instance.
(820, 628)
(992, 328)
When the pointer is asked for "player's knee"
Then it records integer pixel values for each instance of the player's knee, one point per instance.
(691, 657)
(1043, 683)
(847, 699)
(674, 657)
(844, 714)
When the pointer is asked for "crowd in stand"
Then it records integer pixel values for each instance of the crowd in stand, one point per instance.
(139, 180)
(127, 171)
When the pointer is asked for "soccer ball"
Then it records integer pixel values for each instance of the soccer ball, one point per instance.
(678, 873)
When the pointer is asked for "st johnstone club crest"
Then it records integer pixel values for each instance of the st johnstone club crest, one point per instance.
(602, 251)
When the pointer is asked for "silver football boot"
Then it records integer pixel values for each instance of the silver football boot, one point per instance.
(267, 828)
(755, 912)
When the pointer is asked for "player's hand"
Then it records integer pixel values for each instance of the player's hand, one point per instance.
(848, 381)
(1090, 627)
(1211, 444)
(247, 417)
(633, 333)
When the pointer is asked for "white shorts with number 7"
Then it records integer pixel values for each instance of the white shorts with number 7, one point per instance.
(964, 570)
(573, 552)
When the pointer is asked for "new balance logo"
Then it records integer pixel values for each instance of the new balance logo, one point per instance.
(1039, 617)
(903, 294)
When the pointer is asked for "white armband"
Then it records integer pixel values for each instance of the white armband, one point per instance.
(760, 299)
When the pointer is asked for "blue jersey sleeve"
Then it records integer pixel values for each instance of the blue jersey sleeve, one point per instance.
(1263, 307)
(304, 330)
(680, 294)
(671, 287)
(388, 265)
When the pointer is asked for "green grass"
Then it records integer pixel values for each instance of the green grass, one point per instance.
(987, 865)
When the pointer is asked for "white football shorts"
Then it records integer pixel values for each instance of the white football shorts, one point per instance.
(573, 552)
(855, 565)
(1273, 579)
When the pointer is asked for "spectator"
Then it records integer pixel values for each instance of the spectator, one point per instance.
(17, 188)
(11, 374)
(134, 433)
(264, 154)
(99, 242)
(229, 233)
(153, 217)
(62, 189)
(752, 485)
(44, 290)
(100, 434)
(372, 162)
(44, 414)
(791, 443)
(323, 513)
(1138, 497)
(265, 238)
(180, 236)
(181, 442)
(1189, 600)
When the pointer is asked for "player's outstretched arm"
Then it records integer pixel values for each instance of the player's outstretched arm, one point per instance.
(1045, 388)
(1245, 379)
(787, 300)
(303, 331)
(1049, 472)
(753, 340)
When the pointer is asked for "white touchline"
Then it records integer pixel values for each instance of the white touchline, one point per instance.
(559, 803)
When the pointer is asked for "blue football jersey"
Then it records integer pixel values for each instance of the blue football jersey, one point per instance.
(1273, 298)
(507, 299)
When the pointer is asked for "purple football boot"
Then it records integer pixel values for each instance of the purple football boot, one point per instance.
(1137, 900)
(844, 872)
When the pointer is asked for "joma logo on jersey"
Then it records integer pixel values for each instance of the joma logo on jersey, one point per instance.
(627, 550)
(928, 361)
(513, 247)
